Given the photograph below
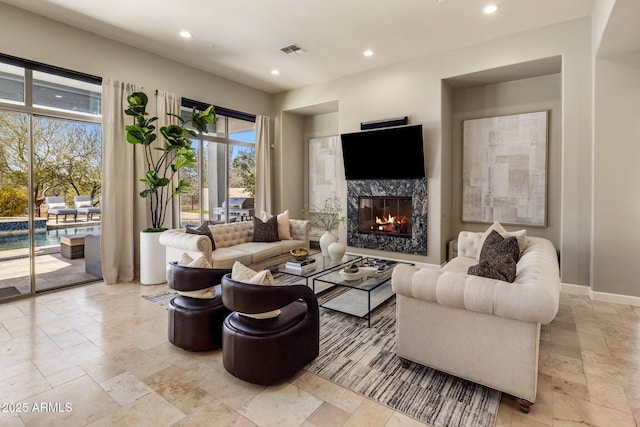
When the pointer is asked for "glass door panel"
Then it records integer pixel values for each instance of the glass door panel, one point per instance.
(67, 164)
(15, 265)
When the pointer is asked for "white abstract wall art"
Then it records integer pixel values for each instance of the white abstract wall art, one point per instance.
(323, 170)
(504, 169)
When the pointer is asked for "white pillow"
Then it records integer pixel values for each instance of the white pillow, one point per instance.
(206, 293)
(85, 204)
(242, 273)
(186, 261)
(59, 205)
(520, 235)
(284, 229)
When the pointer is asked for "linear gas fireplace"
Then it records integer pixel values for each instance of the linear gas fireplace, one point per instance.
(387, 216)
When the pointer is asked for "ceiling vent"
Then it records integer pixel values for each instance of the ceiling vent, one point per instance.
(293, 49)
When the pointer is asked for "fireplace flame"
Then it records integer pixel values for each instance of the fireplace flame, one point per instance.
(390, 223)
(391, 219)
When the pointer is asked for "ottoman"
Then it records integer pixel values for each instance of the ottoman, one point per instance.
(196, 324)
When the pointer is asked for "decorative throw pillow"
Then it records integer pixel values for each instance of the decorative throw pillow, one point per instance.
(503, 267)
(284, 229)
(265, 231)
(83, 204)
(495, 226)
(206, 293)
(242, 273)
(203, 230)
(186, 261)
(60, 205)
(496, 245)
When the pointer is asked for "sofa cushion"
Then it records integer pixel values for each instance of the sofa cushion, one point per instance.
(266, 231)
(225, 257)
(259, 250)
(203, 230)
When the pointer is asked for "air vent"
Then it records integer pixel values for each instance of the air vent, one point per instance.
(293, 49)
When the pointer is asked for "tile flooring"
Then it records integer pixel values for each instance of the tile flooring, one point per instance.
(98, 355)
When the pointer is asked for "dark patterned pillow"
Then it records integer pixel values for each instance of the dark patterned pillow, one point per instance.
(496, 245)
(265, 231)
(503, 267)
(202, 230)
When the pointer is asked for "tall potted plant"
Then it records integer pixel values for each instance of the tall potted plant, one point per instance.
(163, 161)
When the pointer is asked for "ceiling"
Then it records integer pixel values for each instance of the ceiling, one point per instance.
(241, 39)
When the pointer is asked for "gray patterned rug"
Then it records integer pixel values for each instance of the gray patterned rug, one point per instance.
(363, 360)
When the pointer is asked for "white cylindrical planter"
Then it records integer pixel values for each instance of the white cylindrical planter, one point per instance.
(325, 240)
(152, 259)
(336, 250)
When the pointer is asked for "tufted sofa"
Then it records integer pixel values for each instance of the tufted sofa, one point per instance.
(234, 242)
(479, 329)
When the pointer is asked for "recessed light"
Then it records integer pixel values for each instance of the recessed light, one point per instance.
(275, 72)
(58, 96)
(185, 34)
(490, 9)
(368, 52)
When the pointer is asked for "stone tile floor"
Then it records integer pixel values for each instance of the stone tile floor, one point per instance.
(103, 352)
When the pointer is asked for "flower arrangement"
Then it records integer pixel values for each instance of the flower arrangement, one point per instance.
(329, 217)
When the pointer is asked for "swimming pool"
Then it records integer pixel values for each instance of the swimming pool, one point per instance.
(48, 238)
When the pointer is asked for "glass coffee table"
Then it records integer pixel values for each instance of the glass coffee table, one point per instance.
(359, 296)
(322, 265)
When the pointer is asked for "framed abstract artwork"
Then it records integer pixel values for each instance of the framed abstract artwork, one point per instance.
(323, 170)
(504, 169)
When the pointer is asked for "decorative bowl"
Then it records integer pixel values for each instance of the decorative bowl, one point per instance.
(299, 253)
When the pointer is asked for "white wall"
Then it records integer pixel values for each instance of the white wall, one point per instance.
(616, 212)
(414, 89)
(29, 36)
(519, 96)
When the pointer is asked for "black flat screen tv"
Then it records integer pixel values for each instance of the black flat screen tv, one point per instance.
(391, 153)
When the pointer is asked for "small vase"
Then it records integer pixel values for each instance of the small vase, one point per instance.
(325, 240)
(336, 250)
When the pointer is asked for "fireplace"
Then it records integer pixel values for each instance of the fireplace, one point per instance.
(387, 216)
(400, 206)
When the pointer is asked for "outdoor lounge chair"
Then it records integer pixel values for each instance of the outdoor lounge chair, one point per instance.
(56, 205)
(84, 205)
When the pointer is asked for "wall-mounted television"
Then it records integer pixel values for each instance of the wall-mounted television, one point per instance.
(391, 153)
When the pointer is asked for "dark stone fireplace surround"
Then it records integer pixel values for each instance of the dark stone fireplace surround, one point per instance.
(414, 188)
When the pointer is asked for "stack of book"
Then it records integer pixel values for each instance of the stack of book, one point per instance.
(305, 265)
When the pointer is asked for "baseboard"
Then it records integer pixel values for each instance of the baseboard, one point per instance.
(600, 296)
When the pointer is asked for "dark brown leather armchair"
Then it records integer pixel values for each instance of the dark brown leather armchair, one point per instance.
(195, 324)
(269, 351)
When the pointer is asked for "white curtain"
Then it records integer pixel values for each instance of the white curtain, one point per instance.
(263, 165)
(123, 214)
(169, 103)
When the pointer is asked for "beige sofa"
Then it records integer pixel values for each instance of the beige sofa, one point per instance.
(234, 242)
(480, 329)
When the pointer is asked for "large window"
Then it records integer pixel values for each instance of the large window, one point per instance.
(50, 146)
(223, 185)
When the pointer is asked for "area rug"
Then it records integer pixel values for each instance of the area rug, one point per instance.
(363, 360)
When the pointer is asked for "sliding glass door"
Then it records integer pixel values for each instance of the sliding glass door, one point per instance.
(50, 151)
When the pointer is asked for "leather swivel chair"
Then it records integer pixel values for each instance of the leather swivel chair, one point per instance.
(269, 351)
(195, 324)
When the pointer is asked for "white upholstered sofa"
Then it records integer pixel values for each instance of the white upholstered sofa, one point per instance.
(479, 329)
(234, 242)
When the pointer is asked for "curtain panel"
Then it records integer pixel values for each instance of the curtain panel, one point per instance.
(122, 214)
(264, 184)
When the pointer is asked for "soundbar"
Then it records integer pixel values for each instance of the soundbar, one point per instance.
(399, 121)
